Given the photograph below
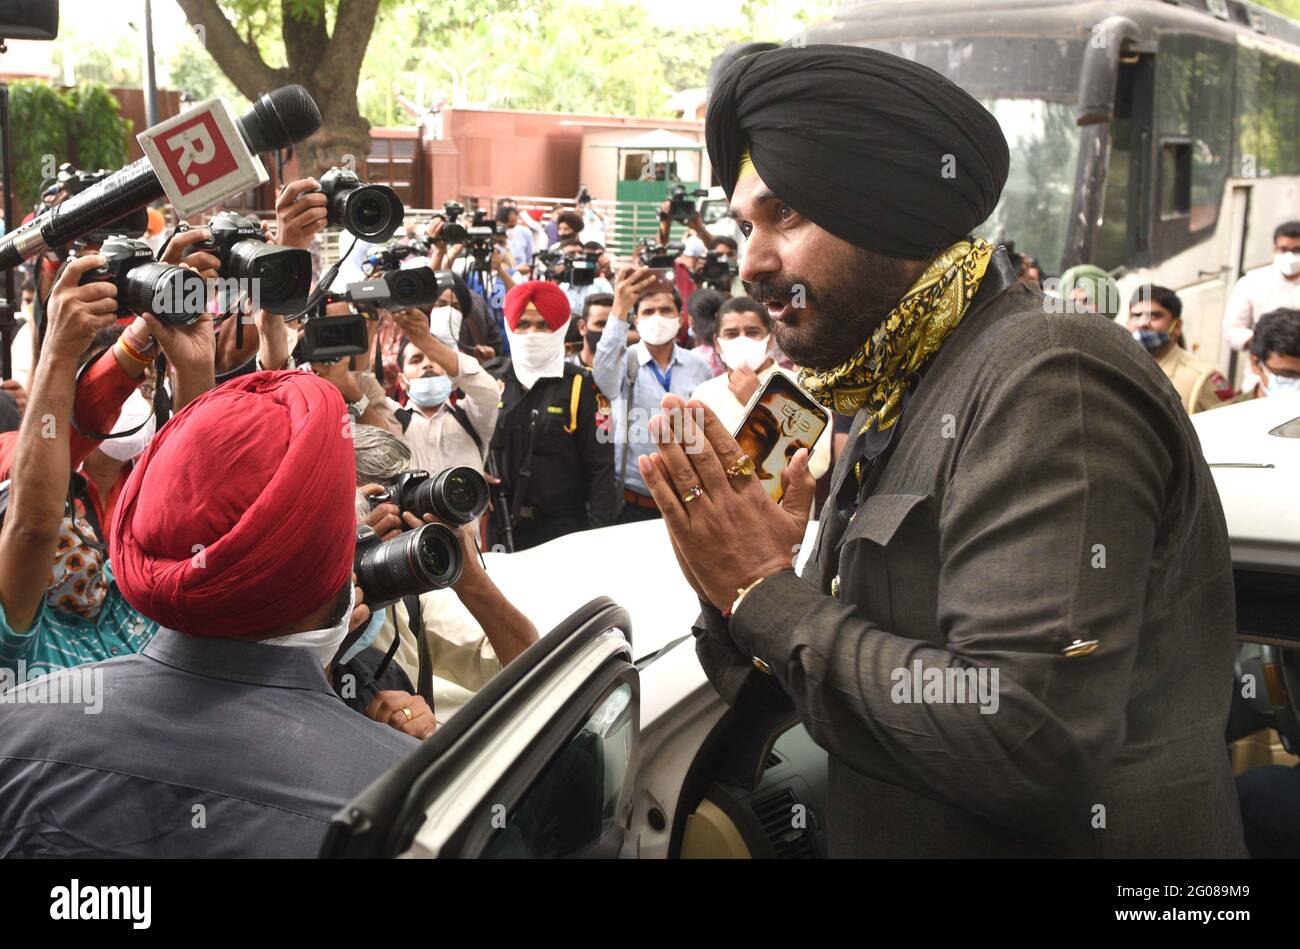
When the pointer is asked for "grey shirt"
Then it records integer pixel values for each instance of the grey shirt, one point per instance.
(202, 748)
(1043, 511)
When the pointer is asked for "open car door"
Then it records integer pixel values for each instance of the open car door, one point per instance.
(540, 763)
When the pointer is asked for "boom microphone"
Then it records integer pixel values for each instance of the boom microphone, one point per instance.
(276, 120)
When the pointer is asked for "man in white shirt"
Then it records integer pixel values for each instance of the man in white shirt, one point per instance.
(439, 434)
(1261, 291)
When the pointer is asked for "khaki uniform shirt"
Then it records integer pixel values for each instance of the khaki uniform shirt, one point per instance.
(1199, 384)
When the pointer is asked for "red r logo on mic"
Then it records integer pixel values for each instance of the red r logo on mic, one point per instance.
(196, 154)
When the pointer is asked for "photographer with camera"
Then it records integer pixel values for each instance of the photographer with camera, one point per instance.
(579, 272)
(250, 622)
(558, 471)
(59, 603)
(463, 633)
(440, 432)
(636, 378)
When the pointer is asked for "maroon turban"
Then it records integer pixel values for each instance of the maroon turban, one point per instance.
(238, 518)
(546, 297)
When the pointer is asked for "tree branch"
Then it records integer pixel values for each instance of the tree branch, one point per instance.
(353, 26)
(240, 61)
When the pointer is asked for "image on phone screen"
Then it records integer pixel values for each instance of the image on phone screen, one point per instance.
(782, 418)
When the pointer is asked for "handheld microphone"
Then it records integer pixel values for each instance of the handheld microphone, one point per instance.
(277, 120)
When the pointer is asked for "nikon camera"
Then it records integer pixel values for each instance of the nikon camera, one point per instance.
(171, 293)
(282, 274)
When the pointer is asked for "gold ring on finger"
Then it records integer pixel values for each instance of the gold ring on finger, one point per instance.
(691, 493)
(742, 468)
(407, 713)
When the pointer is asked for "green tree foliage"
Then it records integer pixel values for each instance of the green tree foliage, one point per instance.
(81, 125)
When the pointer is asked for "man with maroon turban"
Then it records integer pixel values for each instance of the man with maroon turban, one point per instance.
(559, 473)
(236, 533)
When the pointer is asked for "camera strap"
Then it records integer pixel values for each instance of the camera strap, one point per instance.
(525, 471)
(415, 619)
(161, 401)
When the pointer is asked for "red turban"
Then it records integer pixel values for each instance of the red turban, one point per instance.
(238, 518)
(547, 297)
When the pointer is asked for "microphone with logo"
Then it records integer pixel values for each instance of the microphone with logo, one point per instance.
(276, 120)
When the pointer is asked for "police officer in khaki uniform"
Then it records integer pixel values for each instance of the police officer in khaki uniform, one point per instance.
(1154, 319)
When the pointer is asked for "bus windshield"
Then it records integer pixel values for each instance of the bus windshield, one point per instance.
(1030, 84)
(1035, 205)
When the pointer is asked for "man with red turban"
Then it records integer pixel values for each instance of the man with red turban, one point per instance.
(559, 474)
(224, 737)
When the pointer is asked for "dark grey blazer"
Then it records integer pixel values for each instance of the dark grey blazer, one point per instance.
(1044, 511)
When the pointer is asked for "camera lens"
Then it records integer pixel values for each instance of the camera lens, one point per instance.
(428, 558)
(172, 294)
(372, 212)
(282, 274)
(458, 495)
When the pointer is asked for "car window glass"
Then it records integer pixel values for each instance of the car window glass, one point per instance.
(572, 808)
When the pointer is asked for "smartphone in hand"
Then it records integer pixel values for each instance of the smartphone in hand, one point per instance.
(780, 420)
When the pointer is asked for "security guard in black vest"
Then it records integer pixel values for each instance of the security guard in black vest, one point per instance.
(558, 470)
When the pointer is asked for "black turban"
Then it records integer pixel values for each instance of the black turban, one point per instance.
(856, 140)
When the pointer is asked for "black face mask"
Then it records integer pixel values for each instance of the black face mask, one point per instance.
(593, 338)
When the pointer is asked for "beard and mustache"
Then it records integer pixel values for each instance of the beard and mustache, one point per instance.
(847, 311)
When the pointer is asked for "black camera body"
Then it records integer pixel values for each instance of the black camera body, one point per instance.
(400, 289)
(717, 271)
(72, 181)
(282, 274)
(680, 207)
(658, 255)
(428, 558)
(452, 232)
(327, 339)
(582, 270)
(371, 212)
(391, 255)
(454, 495)
(144, 285)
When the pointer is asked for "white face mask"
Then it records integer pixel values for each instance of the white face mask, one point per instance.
(657, 330)
(743, 351)
(536, 356)
(1277, 385)
(135, 409)
(445, 323)
(1288, 263)
(323, 643)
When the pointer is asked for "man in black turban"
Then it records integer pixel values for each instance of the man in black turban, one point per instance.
(1015, 635)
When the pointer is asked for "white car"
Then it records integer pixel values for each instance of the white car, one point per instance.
(1253, 449)
(602, 739)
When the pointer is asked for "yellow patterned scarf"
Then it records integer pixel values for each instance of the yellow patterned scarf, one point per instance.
(878, 374)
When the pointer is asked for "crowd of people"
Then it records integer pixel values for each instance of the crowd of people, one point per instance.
(188, 493)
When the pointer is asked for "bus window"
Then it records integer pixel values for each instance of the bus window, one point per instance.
(1268, 115)
(1194, 101)
(1175, 179)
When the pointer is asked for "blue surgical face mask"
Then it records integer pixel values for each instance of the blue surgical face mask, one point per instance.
(368, 636)
(1151, 340)
(1280, 384)
(429, 391)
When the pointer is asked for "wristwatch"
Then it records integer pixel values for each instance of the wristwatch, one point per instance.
(358, 408)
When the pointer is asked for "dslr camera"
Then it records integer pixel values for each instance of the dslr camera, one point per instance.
(391, 255)
(173, 294)
(455, 495)
(428, 558)
(283, 274)
(680, 207)
(371, 212)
